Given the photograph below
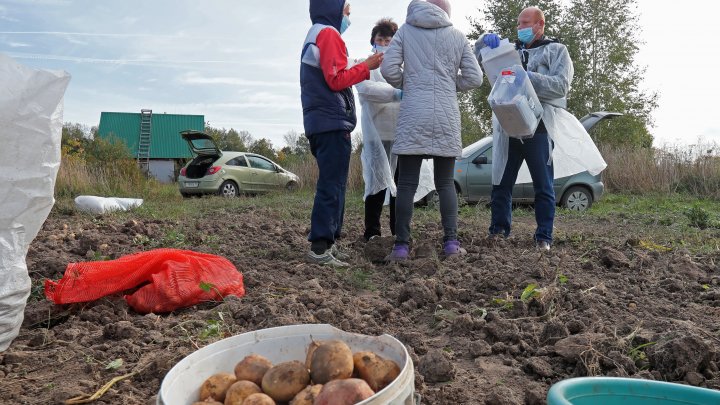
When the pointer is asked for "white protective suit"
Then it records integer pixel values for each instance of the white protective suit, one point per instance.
(573, 150)
(380, 106)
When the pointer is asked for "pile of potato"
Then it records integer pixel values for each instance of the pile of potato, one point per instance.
(331, 375)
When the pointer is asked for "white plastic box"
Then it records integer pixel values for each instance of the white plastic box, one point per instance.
(495, 60)
(515, 103)
(181, 385)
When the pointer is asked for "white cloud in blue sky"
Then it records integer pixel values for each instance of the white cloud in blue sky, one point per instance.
(237, 62)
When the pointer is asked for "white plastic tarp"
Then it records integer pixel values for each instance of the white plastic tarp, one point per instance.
(30, 132)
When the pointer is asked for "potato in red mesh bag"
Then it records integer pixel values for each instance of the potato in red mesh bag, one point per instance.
(169, 279)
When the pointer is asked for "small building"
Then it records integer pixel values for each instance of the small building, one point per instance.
(153, 139)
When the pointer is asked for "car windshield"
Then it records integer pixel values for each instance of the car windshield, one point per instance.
(472, 148)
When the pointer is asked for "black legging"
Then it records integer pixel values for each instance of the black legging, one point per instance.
(408, 179)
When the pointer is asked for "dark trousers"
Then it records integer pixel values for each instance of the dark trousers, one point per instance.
(536, 152)
(373, 212)
(408, 179)
(332, 153)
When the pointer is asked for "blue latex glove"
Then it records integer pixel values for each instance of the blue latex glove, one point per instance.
(492, 40)
(529, 75)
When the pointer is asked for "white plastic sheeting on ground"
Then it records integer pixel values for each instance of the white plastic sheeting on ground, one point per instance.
(102, 205)
(30, 132)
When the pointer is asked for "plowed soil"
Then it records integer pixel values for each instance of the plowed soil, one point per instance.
(497, 326)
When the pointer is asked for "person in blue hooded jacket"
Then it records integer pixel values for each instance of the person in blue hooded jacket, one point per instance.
(328, 103)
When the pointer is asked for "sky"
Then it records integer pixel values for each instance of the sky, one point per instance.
(237, 61)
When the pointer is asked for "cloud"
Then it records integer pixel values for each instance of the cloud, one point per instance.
(193, 78)
(4, 15)
(17, 45)
(176, 64)
(42, 2)
(113, 35)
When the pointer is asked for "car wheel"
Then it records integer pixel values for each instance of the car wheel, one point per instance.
(228, 189)
(577, 198)
(185, 195)
(291, 186)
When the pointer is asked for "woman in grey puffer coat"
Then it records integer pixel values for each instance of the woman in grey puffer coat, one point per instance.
(430, 60)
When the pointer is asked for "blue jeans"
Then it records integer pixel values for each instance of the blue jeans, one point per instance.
(536, 152)
(332, 153)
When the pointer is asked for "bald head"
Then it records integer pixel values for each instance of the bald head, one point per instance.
(443, 4)
(535, 13)
(532, 17)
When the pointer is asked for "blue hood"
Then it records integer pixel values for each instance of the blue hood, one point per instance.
(327, 12)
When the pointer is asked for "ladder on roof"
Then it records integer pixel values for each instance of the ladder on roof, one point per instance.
(143, 151)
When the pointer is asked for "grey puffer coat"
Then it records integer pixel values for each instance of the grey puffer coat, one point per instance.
(430, 60)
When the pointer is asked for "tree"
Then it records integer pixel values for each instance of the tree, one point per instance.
(601, 37)
(75, 138)
(230, 139)
(263, 147)
(297, 144)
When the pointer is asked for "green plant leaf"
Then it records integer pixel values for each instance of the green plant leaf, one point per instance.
(529, 292)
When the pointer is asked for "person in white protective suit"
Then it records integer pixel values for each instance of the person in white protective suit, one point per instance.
(550, 71)
(380, 103)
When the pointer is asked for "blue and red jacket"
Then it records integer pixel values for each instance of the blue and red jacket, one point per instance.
(325, 82)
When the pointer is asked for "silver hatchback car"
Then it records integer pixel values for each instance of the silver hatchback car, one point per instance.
(473, 176)
(227, 173)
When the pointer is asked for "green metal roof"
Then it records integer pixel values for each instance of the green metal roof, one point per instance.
(166, 142)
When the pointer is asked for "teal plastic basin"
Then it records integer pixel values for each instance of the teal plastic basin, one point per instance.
(626, 391)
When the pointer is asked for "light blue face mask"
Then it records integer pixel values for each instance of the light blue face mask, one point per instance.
(526, 35)
(345, 24)
(380, 49)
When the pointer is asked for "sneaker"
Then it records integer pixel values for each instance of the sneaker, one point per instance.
(400, 253)
(543, 245)
(325, 259)
(452, 248)
(338, 254)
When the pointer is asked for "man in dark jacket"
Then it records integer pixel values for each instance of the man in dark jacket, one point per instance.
(328, 103)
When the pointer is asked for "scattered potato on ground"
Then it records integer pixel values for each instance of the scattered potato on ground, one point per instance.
(377, 371)
(237, 392)
(216, 386)
(344, 392)
(332, 360)
(307, 396)
(252, 368)
(258, 399)
(283, 381)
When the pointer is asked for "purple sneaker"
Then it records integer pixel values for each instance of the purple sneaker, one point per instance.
(452, 248)
(400, 253)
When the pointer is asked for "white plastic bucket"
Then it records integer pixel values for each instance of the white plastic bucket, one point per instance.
(181, 385)
(495, 60)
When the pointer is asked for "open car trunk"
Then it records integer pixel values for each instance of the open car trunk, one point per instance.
(199, 166)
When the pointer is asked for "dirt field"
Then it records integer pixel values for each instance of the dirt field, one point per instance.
(610, 299)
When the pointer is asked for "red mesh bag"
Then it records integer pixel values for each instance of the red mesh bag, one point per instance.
(168, 279)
